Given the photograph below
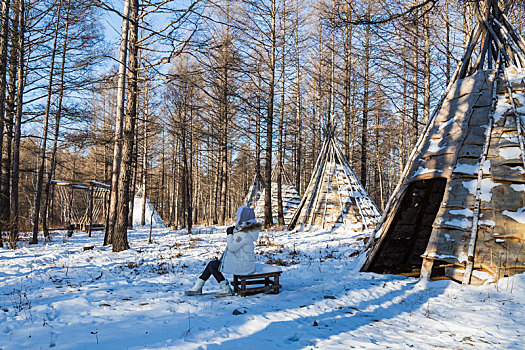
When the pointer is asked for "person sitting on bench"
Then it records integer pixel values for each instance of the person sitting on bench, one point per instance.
(239, 256)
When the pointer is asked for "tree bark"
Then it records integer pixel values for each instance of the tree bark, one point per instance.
(58, 116)
(119, 121)
(415, 79)
(280, 211)
(298, 111)
(144, 175)
(268, 218)
(18, 122)
(347, 78)
(447, 43)
(364, 131)
(5, 185)
(4, 34)
(120, 234)
(426, 103)
(43, 148)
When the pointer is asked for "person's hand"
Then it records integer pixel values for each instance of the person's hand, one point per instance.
(229, 230)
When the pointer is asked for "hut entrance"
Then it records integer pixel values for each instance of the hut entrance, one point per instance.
(408, 236)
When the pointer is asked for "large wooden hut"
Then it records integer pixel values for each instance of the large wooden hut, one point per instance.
(459, 210)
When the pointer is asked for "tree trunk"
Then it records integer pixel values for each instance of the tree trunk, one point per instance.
(43, 149)
(347, 78)
(415, 80)
(268, 218)
(18, 123)
(5, 185)
(280, 211)
(224, 176)
(119, 121)
(133, 182)
(258, 131)
(58, 116)
(447, 43)
(364, 131)
(4, 34)
(298, 111)
(120, 234)
(401, 140)
(144, 176)
(426, 103)
(225, 110)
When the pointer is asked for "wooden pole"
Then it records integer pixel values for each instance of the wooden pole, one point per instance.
(90, 210)
(475, 219)
(70, 213)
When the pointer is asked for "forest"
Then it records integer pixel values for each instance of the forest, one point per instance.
(262, 174)
(188, 101)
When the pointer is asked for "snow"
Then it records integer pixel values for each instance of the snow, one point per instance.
(502, 106)
(486, 188)
(421, 171)
(434, 146)
(518, 215)
(486, 166)
(513, 138)
(515, 76)
(466, 169)
(264, 268)
(518, 188)
(487, 223)
(518, 168)
(510, 153)
(482, 275)
(460, 223)
(462, 212)
(58, 295)
(447, 123)
(440, 256)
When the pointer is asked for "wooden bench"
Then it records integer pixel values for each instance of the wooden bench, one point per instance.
(264, 282)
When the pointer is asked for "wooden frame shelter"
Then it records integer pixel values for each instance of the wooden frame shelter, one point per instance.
(82, 206)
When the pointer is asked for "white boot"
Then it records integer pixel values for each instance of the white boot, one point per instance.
(197, 288)
(225, 290)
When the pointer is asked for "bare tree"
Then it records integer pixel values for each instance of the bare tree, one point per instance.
(119, 121)
(120, 233)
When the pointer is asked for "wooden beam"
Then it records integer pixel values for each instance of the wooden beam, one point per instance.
(476, 33)
(475, 219)
(90, 210)
(426, 269)
(517, 38)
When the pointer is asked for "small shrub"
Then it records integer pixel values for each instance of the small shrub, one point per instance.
(280, 262)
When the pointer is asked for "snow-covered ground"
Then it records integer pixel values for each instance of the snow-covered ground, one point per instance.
(58, 295)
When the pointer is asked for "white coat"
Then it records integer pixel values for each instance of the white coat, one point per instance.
(239, 257)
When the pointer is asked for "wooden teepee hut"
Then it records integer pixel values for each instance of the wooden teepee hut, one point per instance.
(459, 209)
(254, 193)
(334, 196)
(290, 197)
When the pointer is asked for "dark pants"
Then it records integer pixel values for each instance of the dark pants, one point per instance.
(212, 269)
